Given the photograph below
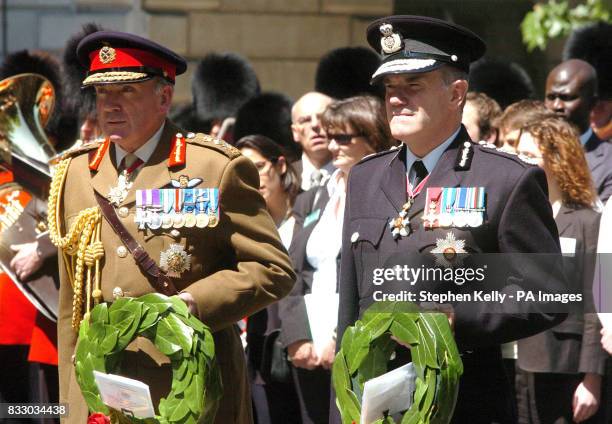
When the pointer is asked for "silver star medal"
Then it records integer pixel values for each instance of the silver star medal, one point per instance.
(174, 261)
(117, 194)
(447, 251)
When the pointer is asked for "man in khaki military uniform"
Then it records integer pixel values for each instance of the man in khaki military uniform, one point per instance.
(226, 264)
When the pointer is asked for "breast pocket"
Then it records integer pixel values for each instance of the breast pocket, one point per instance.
(366, 237)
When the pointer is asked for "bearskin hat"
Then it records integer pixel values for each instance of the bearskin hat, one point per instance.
(81, 102)
(268, 114)
(222, 83)
(346, 72)
(186, 117)
(593, 44)
(61, 127)
(505, 82)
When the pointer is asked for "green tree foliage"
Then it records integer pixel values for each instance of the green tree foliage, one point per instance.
(557, 19)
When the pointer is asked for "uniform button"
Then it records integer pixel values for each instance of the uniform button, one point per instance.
(190, 135)
(354, 237)
(179, 135)
(117, 292)
(175, 233)
(122, 251)
(123, 212)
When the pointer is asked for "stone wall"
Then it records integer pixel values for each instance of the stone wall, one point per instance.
(284, 39)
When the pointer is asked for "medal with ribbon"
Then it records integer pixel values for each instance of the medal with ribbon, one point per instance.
(454, 206)
(401, 224)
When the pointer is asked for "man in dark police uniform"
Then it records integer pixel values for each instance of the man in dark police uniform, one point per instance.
(398, 203)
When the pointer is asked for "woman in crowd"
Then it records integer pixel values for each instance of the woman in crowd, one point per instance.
(561, 368)
(355, 127)
(274, 401)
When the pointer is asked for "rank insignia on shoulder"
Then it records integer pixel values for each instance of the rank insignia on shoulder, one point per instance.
(464, 157)
(448, 251)
(176, 208)
(454, 206)
(174, 261)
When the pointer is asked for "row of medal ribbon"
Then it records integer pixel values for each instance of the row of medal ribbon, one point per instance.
(454, 206)
(177, 208)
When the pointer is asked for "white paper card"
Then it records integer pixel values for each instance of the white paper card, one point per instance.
(125, 394)
(606, 319)
(322, 310)
(391, 392)
(568, 246)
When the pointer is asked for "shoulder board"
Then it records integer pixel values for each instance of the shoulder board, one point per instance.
(79, 148)
(392, 150)
(213, 143)
(522, 159)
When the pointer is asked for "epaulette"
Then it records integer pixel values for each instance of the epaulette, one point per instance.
(392, 149)
(509, 154)
(213, 143)
(78, 148)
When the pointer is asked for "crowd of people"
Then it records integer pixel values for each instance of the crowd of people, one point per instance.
(314, 194)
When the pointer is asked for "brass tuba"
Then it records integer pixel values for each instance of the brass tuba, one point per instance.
(26, 105)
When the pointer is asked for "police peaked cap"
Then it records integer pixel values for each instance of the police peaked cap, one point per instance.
(113, 57)
(222, 83)
(417, 44)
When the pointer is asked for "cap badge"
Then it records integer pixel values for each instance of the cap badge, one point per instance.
(107, 55)
(390, 41)
(175, 260)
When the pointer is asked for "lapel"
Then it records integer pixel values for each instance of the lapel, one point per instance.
(564, 219)
(443, 174)
(154, 174)
(393, 181)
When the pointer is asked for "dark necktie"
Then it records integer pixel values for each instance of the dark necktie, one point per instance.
(418, 173)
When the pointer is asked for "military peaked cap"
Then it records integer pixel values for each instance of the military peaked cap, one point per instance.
(117, 57)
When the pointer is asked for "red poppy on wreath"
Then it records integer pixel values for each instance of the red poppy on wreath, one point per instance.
(98, 418)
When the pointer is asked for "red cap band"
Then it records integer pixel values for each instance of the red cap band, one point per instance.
(128, 58)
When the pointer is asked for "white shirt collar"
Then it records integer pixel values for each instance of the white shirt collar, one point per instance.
(335, 183)
(145, 151)
(586, 135)
(431, 159)
(308, 168)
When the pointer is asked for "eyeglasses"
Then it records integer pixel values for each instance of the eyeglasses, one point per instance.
(343, 139)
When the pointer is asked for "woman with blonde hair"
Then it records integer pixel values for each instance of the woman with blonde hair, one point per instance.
(560, 370)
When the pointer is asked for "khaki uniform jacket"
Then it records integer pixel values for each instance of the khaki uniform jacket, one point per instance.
(237, 267)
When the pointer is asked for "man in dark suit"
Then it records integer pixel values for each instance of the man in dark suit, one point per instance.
(424, 70)
(571, 91)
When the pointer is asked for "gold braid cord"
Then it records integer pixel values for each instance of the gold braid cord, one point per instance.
(81, 247)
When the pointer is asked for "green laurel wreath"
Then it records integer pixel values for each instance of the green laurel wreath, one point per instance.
(367, 347)
(196, 382)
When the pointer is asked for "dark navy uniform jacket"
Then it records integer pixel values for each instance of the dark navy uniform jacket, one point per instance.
(518, 220)
(599, 157)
